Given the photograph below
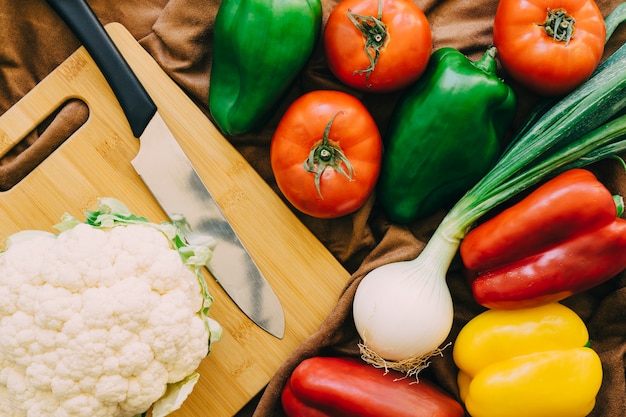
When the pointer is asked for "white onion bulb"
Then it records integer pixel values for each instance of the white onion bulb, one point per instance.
(403, 311)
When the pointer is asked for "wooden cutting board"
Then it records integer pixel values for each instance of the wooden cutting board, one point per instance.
(95, 162)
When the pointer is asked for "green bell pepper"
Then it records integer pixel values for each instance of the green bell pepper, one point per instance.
(444, 134)
(259, 47)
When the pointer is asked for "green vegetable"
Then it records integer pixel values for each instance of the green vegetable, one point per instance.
(444, 134)
(587, 125)
(259, 47)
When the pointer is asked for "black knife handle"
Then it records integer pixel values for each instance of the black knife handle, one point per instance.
(133, 98)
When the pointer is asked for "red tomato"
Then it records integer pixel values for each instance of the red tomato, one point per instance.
(546, 61)
(325, 154)
(401, 37)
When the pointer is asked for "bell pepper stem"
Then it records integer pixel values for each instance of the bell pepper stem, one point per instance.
(487, 62)
(619, 204)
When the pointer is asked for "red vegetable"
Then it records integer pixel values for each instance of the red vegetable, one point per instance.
(325, 154)
(377, 45)
(549, 46)
(347, 387)
(562, 239)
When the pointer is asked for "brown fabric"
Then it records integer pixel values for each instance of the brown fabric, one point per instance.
(178, 34)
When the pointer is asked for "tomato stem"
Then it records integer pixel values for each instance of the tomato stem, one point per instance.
(559, 25)
(375, 33)
(327, 153)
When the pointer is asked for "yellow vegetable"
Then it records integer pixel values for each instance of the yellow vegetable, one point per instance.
(527, 363)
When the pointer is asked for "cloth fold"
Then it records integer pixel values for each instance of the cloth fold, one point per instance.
(178, 34)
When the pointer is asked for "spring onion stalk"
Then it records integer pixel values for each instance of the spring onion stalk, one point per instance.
(403, 311)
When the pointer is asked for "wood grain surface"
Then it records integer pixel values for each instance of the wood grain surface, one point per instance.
(95, 162)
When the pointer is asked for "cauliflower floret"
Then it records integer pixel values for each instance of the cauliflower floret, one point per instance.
(96, 322)
(54, 306)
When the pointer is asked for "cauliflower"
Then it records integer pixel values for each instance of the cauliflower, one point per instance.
(103, 319)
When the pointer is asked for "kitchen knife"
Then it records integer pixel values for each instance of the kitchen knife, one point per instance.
(171, 178)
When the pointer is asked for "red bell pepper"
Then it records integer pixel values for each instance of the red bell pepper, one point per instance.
(348, 387)
(562, 239)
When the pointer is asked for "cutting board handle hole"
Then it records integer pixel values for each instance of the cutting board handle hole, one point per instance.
(38, 144)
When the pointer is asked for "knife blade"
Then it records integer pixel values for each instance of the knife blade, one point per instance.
(165, 169)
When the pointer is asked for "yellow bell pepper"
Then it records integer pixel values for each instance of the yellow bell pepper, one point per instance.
(531, 362)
